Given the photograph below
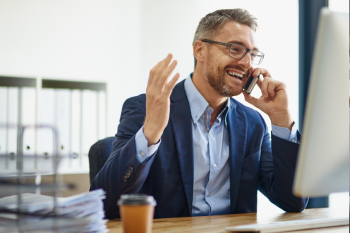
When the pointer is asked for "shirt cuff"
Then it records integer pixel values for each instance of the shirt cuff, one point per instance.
(143, 151)
(285, 133)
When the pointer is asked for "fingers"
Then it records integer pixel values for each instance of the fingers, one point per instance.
(271, 88)
(171, 84)
(256, 72)
(160, 73)
(166, 73)
(264, 86)
(250, 99)
(267, 84)
(264, 72)
(152, 73)
(159, 77)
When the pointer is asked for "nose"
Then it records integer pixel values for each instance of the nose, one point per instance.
(245, 61)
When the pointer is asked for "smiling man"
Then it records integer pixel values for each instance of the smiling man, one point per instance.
(193, 147)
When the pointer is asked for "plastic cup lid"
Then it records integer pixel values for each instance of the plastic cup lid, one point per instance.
(136, 199)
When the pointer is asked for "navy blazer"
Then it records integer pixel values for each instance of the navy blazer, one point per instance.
(168, 174)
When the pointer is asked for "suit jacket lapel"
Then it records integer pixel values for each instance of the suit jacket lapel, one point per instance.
(237, 126)
(180, 117)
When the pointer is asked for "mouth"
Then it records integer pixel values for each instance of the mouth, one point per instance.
(235, 74)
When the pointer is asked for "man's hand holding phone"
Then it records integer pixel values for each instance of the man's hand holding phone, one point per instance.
(274, 99)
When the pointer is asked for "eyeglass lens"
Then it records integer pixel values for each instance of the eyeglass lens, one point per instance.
(237, 51)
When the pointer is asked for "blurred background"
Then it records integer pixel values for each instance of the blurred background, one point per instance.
(115, 43)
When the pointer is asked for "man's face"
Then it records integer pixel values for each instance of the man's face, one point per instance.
(223, 71)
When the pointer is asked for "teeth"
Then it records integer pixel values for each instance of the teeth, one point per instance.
(235, 74)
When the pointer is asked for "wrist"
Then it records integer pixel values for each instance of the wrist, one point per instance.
(284, 120)
(151, 135)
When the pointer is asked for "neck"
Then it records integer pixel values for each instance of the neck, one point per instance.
(216, 101)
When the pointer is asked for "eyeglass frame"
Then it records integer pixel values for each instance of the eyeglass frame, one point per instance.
(230, 45)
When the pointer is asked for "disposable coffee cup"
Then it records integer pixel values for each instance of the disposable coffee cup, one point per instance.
(136, 212)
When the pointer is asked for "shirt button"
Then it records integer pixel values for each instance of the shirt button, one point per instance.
(214, 165)
(209, 194)
(142, 154)
(293, 140)
(210, 135)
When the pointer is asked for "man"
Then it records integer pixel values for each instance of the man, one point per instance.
(195, 149)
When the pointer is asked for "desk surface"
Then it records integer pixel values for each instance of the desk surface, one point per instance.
(216, 224)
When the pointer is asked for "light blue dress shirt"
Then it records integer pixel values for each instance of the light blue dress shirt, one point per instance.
(211, 181)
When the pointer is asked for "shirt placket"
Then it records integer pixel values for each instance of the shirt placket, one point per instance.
(211, 132)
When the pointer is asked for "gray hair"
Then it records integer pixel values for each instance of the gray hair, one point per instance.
(212, 23)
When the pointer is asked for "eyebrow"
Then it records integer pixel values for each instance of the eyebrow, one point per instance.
(239, 42)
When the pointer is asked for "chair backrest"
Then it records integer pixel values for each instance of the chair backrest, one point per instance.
(98, 155)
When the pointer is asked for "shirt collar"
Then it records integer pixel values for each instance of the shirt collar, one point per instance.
(197, 102)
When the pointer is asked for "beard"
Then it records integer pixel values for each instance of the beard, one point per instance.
(218, 82)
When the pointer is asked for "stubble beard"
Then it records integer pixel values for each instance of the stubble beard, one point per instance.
(218, 82)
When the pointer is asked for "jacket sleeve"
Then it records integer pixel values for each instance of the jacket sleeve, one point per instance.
(277, 171)
(123, 173)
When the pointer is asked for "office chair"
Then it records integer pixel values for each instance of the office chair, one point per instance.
(98, 155)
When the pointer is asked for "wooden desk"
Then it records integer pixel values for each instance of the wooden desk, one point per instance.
(216, 224)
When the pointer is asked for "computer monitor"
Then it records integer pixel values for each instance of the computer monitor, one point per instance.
(323, 160)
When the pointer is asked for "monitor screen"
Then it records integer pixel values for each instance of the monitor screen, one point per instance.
(323, 160)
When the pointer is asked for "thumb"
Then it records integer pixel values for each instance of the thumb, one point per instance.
(250, 99)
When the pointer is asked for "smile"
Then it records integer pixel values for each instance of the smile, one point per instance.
(234, 74)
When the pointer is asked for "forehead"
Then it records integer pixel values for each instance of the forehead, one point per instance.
(235, 32)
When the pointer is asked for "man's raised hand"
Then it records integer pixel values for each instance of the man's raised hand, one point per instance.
(158, 99)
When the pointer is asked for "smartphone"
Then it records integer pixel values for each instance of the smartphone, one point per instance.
(250, 84)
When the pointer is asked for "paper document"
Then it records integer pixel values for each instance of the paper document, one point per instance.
(79, 213)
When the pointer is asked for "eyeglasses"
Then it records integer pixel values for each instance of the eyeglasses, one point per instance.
(238, 51)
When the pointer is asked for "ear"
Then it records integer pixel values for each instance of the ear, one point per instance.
(199, 50)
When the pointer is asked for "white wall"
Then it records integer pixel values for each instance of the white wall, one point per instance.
(74, 40)
(339, 5)
(118, 42)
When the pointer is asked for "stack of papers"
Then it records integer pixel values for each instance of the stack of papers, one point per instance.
(79, 213)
